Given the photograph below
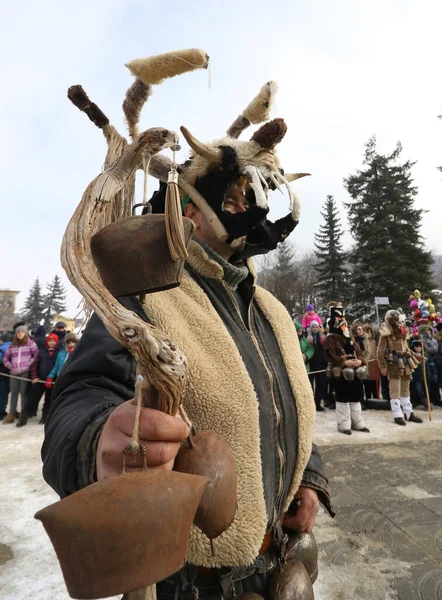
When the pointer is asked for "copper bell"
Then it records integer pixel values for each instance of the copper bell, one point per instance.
(132, 255)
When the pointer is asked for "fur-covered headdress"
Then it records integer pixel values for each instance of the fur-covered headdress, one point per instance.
(395, 321)
(337, 323)
(204, 178)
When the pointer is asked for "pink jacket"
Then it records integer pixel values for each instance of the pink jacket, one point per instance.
(18, 359)
(307, 319)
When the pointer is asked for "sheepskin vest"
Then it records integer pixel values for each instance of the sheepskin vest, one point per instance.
(220, 397)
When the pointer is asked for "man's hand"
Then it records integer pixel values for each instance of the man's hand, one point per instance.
(36, 380)
(384, 371)
(353, 363)
(304, 356)
(161, 434)
(305, 517)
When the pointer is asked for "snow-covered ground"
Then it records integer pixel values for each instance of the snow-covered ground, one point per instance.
(28, 566)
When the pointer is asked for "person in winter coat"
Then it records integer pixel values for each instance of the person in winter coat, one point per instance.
(40, 369)
(4, 381)
(240, 343)
(40, 336)
(60, 331)
(346, 360)
(398, 361)
(70, 341)
(318, 362)
(359, 336)
(306, 348)
(370, 383)
(438, 357)
(417, 387)
(430, 342)
(309, 316)
(18, 359)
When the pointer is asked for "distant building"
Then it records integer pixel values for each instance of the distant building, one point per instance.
(7, 309)
(70, 323)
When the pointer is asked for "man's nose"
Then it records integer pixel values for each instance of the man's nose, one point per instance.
(239, 207)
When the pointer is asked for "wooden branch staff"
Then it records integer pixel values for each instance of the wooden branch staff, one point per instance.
(425, 379)
(160, 362)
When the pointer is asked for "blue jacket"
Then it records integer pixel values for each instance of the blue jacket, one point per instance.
(61, 359)
(3, 349)
(4, 346)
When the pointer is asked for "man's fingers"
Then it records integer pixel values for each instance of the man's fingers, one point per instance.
(157, 453)
(154, 424)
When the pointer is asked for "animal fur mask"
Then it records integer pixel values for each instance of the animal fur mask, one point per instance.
(337, 322)
(395, 321)
(254, 167)
(211, 168)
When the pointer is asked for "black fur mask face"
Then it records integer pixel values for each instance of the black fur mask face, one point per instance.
(261, 234)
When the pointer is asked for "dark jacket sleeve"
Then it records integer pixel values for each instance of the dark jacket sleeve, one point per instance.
(314, 477)
(99, 376)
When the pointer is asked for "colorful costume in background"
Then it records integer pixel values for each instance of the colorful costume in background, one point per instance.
(395, 356)
(347, 382)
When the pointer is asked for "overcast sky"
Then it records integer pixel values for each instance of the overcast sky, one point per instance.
(346, 70)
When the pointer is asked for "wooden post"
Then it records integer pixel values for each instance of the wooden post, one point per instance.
(376, 370)
(425, 379)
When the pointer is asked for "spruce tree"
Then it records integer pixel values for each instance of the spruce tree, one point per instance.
(330, 257)
(388, 258)
(279, 274)
(33, 309)
(54, 300)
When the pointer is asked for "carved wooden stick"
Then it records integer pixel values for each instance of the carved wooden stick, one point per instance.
(159, 361)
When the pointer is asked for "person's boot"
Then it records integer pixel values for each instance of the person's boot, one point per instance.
(10, 418)
(22, 421)
(407, 407)
(398, 415)
(319, 408)
(357, 421)
(343, 417)
(414, 419)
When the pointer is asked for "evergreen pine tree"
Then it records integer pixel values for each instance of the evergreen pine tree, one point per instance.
(388, 258)
(279, 274)
(33, 309)
(330, 265)
(54, 301)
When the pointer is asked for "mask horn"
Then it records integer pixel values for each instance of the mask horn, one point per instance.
(294, 176)
(204, 150)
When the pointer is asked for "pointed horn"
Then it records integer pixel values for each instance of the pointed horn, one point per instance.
(208, 152)
(294, 176)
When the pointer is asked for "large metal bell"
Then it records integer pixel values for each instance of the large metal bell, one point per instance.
(132, 255)
(291, 582)
(124, 533)
(302, 547)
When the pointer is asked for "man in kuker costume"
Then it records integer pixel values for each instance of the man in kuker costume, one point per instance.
(347, 370)
(397, 360)
(247, 379)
